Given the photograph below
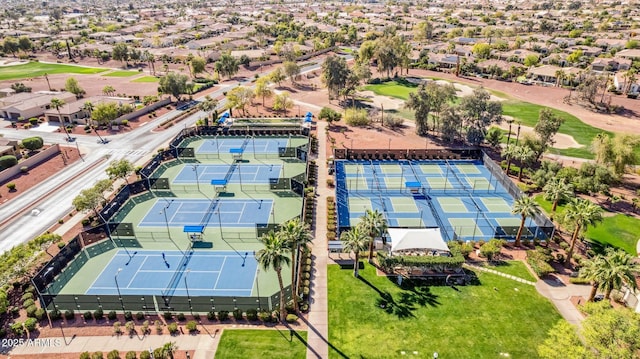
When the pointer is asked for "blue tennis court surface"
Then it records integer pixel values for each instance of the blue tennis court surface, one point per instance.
(249, 145)
(241, 173)
(224, 212)
(207, 273)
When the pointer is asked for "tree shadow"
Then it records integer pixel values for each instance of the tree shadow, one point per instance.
(409, 300)
(331, 346)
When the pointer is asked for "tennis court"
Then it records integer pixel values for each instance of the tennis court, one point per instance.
(248, 144)
(202, 273)
(462, 197)
(217, 212)
(192, 174)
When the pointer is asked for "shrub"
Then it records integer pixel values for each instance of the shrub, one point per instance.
(173, 328)
(139, 316)
(7, 161)
(158, 325)
(26, 296)
(17, 329)
(192, 326)
(27, 303)
(85, 355)
(292, 318)
(330, 182)
(167, 315)
(128, 316)
(181, 317)
(61, 245)
(33, 143)
(211, 315)
(145, 355)
(393, 122)
(31, 311)
(196, 316)
(114, 354)
(131, 327)
(69, 314)
(55, 314)
(112, 315)
(223, 315)
(130, 355)
(87, 315)
(356, 117)
(145, 327)
(265, 316)
(97, 355)
(117, 330)
(40, 313)
(30, 324)
(252, 314)
(237, 314)
(539, 261)
(98, 314)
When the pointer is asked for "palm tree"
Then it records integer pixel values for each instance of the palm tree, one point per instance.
(297, 235)
(525, 207)
(374, 224)
(355, 240)
(208, 105)
(168, 349)
(592, 271)
(582, 213)
(274, 256)
(618, 268)
(57, 103)
(557, 190)
(509, 153)
(525, 155)
(88, 107)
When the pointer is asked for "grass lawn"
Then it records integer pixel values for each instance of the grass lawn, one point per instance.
(470, 322)
(261, 343)
(35, 69)
(392, 89)
(146, 79)
(620, 231)
(515, 268)
(121, 73)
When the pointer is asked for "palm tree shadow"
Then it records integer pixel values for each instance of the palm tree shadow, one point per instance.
(331, 346)
(410, 299)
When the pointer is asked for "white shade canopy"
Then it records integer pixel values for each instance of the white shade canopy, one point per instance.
(420, 238)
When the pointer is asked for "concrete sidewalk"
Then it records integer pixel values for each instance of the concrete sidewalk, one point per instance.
(204, 345)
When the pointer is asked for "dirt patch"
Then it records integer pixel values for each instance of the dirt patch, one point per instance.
(562, 141)
(389, 103)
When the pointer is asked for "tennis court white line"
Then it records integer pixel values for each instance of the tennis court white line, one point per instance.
(99, 275)
(241, 212)
(138, 270)
(218, 278)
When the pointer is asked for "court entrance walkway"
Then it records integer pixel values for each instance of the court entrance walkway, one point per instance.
(318, 332)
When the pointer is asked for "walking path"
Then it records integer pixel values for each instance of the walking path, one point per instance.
(318, 333)
(554, 289)
(493, 271)
(204, 345)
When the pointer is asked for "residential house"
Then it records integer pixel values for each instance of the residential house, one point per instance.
(545, 74)
(607, 64)
(28, 105)
(73, 112)
(8, 147)
(590, 51)
(633, 54)
(517, 55)
(623, 83)
(444, 61)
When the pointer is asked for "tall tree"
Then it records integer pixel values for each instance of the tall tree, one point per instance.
(582, 213)
(208, 105)
(71, 85)
(239, 97)
(479, 113)
(526, 207)
(387, 53)
(593, 270)
(120, 52)
(277, 75)
(198, 65)
(298, 237)
(525, 155)
(150, 59)
(374, 224)
(292, 70)
(355, 240)
(334, 74)
(262, 88)
(556, 190)
(547, 126)
(619, 268)
(173, 84)
(57, 104)
(227, 65)
(105, 113)
(89, 199)
(274, 256)
(282, 102)
(120, 169)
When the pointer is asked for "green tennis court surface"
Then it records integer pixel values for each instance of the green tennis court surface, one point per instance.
(495, 204)
(357, 184)
(440, 183)
(468, 169)
(431, 169)
(402, 204)
(359, 204)
(451, 204)
(391, 169)
(479, 183)
(350, 170)
(464, 227)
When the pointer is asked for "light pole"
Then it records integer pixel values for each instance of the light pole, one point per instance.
(118, 288)
(106, 224)
(258, 288)
(518, 134)
(186, 273)
(195, 168)
(219, 221)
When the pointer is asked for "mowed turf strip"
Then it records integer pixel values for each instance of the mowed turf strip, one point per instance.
(478, 321)
(35, 69)
(262, 343)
